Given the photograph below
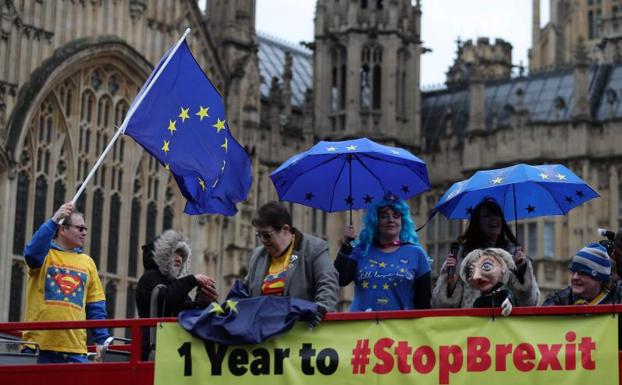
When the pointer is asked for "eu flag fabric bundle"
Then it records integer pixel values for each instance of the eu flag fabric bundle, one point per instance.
(181, 122)
(242, 320)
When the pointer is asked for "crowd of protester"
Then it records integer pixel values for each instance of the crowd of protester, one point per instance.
(385, 261)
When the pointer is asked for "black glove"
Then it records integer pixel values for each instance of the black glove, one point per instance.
(317, 317)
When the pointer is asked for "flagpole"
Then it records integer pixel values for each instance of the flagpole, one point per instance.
(128, 116)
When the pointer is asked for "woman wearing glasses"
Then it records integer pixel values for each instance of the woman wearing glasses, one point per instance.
(290, 263)
(389, 268)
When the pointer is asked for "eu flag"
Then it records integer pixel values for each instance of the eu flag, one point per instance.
(243, 320)
(181, 122)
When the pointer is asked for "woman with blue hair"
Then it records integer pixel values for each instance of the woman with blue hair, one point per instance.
(390, 269)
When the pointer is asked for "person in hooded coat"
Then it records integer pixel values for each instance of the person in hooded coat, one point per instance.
(165, 261)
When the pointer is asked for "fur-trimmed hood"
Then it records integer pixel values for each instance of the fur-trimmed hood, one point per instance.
(159, 254)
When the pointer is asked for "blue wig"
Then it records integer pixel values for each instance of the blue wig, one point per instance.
(369, 232)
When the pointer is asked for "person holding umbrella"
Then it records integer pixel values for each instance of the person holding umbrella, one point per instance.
(487, 228)
(390, 269)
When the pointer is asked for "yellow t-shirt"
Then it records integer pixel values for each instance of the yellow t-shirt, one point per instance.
(274, 281)
(59, 291)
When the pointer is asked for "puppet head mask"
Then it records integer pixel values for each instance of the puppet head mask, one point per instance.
(485, 269)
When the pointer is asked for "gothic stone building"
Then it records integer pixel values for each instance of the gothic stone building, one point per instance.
(70, 68)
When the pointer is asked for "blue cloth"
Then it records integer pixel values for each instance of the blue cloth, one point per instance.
(241, 320)
(181, 122)
(384, 281)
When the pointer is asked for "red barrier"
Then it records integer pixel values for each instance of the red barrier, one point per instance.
(137, 372)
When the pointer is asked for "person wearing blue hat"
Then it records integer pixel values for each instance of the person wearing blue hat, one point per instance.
(590, 280)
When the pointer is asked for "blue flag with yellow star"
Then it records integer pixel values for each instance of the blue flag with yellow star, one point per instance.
(181, 122)
(243, 320)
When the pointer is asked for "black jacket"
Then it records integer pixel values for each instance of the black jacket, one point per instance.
(157, 261)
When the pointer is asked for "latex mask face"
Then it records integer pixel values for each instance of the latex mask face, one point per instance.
(485, 273)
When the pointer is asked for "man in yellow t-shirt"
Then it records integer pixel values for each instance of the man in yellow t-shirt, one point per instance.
(63, 285)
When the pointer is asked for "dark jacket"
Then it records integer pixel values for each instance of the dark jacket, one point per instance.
(158, 264)
(565, 297)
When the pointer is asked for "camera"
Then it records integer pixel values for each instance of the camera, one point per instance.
(608, 241)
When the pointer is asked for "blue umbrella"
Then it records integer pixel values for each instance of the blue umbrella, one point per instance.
(352, 174)
(522, 191)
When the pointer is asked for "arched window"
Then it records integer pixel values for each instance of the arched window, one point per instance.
(111, 298)
(152, 214)
(113, 233)
(371, 77)
(17, 290)
(59, 194)
(97, 216)
(41, 192)
(337, 97)
(134, 238)
(21, 210)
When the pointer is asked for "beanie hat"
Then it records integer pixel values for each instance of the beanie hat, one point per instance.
(592, 260)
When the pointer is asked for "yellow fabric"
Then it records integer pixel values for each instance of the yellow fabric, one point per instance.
(59, 291)
(595, 301)
(274, 281)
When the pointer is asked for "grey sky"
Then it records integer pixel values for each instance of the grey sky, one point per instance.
(442, 22)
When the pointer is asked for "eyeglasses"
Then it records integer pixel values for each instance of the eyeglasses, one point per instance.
(265, 235)
(80, 228)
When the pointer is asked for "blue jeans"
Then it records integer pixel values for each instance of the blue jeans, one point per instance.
(54, 357)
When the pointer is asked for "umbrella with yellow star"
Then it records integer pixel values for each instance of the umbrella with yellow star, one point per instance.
(350, 175)
(522, 191)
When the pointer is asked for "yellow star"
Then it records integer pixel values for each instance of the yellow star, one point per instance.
(497, 180)
(365, 284)
(225, 145)
(375, 286)
(382, 264)
(385, 286)
(331, 149)
(166, 167)
(165, 147)
(402, 270)
(216, 308)
(351, 148)
(220, 125)
(232, 305)
(171, 126)
(202, 183)
(544, 176)
(203, 112)
(561, 176)
(184, 114)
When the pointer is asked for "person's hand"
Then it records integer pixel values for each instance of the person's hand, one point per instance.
(349, 234)
(63, 212)
(98, 353)
(204, 280)
(506, 307)
(206, 288)
(520, 258)
(452, 277)
(317, 317)
(207, 293)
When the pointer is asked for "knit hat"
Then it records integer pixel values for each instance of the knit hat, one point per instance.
(593, 261)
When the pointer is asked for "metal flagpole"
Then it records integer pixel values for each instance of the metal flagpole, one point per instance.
(121, 130)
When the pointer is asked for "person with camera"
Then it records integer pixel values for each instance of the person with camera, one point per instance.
(487, 228)
(165, 260)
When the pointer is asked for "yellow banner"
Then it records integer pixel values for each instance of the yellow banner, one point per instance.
(437, 350)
